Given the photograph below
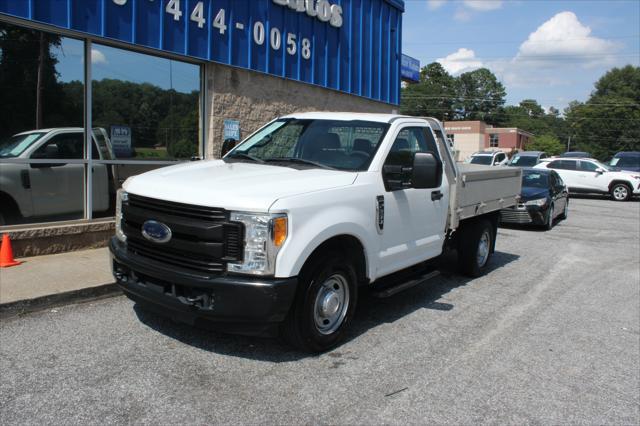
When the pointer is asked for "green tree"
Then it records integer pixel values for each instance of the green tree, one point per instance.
(609, 120)
(547, 143)
(530, 116)
(480, 96)
(32, 96)
(433, 96)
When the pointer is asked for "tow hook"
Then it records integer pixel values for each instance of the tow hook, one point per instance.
(195, 300)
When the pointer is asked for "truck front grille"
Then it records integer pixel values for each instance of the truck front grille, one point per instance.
(203, 239)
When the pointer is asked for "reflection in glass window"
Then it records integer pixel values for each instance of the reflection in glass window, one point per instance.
(147, 106)
(41, 117)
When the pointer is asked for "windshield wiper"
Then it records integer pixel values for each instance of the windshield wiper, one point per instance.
(299, 160)
(245, 156)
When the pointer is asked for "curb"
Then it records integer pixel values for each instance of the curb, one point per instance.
(21, 307)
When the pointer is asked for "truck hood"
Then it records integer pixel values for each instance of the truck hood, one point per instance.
(233, 186)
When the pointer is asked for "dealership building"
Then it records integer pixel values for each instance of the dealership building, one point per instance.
(473, 136)
(95, 91)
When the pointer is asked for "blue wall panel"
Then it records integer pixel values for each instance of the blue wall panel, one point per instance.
(359, 55)
(85, 15)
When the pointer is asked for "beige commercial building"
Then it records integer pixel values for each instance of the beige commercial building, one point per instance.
(473, 136)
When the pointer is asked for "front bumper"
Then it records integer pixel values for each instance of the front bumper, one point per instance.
(521, 214)
(248, 305)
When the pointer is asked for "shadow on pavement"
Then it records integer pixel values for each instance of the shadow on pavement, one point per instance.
(606, 197)
(371, 312)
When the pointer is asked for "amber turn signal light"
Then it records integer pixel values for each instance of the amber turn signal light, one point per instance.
(279, 231)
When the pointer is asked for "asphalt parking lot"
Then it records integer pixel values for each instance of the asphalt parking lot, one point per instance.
(550, 335)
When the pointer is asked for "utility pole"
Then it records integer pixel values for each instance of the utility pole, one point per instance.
(40, 83)
(569, 144)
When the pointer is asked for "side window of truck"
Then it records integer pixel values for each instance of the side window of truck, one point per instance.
(409, 141)
(64, 146)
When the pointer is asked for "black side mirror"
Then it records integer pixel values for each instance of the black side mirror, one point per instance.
(227, 146)
(427, 171)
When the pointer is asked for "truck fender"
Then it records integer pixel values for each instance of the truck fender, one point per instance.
(297, 251)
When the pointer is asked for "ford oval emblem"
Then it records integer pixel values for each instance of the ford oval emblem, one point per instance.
(156, 231)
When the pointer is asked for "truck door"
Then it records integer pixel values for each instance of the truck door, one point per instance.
(414, 219)
(101, 186)
(58, 188)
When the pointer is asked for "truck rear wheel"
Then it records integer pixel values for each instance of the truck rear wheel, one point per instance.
(475, 247)
(324, 305)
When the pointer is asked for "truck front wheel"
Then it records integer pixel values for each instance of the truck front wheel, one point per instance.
(324, 305)
(475, 246)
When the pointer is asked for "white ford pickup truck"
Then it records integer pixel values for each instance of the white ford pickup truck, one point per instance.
(280, 234)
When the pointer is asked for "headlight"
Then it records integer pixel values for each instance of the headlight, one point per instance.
(537, 202)
(264, 236)
(121, 197)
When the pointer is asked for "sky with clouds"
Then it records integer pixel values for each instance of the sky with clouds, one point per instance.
(549, 50)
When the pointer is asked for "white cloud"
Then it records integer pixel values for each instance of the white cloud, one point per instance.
(483, 5)
(564, 38)
(555, 53)
(435, 4)
(462, 15)
(97, 57)
(460, 61)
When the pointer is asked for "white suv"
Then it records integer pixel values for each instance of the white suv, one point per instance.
(586, 175)
(489, 158)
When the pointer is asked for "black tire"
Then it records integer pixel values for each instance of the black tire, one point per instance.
(300, 329)
(9, 213)
(469, 247)
(565, 212)
(548, 225)
(620, 192)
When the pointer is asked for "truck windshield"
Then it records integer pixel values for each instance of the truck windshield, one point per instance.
(17, 144)
(332, 144)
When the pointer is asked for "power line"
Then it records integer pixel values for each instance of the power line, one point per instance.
(514, 41)
(458, 98)
(563, 56)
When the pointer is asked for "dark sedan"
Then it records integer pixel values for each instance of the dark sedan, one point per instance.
(544, 198)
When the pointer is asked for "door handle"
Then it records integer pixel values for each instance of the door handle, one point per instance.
(436, 195)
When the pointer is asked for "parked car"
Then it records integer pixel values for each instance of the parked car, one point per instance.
(543, 199)
(280, 234)
(489, 158)
(586, 175)
(527, 158)
(626, 161)
(575, 154)
(41, 189)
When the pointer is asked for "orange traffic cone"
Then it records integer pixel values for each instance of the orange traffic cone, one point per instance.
(6, 253)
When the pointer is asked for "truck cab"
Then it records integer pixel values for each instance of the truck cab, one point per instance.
(282, 232)
(39, 188)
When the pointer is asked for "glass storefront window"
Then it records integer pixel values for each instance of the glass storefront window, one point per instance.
(148, 106)
(41, 126)
(145, 114)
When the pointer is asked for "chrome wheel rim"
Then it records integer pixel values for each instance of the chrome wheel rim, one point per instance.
(550, 221)
(483, 248)
(620, 192)
(331, 305)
